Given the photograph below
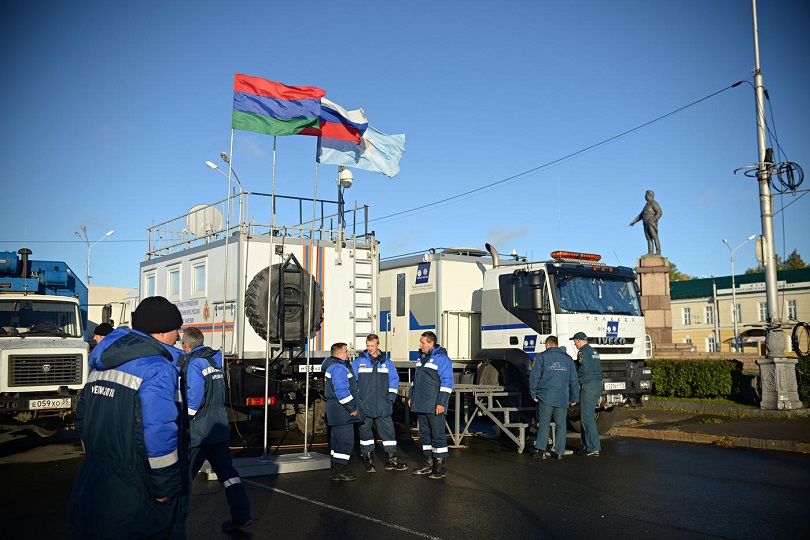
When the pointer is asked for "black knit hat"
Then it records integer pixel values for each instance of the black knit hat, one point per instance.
(103, 329)
(155, 315)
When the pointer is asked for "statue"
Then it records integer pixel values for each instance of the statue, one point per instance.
(650, 216)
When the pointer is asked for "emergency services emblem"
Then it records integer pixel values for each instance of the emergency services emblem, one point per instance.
(206, 311)
(422, 273)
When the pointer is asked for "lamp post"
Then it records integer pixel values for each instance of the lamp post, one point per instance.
(90, 246)
(230, 174)
(734, 288)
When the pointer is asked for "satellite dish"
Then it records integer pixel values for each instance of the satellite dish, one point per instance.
(203, 220)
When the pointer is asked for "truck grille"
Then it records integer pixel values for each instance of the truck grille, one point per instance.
(38, 370)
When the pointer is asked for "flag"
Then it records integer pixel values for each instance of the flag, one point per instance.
(274, 108)
(335, 122)
(377, 152)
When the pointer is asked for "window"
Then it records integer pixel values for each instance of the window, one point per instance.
(763, 311)
(711, 344)
(708, 314)
(174, 282)
(793, 311)
(400, 295)
(149, 285)
(198, 278)
(687, 315)
(736, 313)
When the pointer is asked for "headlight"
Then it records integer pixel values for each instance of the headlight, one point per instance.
(646, 385)
(646, 371)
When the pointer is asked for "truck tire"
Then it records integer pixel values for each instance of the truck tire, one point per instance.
(604, 421)
(268, 281)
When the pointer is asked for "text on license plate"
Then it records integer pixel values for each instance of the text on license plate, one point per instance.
(49, 403)
(614, 386)
(313, 368)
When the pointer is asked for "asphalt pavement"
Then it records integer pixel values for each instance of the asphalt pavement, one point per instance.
(707, 422)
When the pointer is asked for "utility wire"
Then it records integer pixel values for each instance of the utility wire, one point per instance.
(558, 160)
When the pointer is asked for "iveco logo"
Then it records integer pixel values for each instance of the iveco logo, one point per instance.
(612, 341)
(46, 368)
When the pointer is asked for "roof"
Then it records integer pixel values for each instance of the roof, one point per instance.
(702, 288)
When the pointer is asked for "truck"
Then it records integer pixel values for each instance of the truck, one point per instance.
(493, 315)
(273, 291)
(43, 342)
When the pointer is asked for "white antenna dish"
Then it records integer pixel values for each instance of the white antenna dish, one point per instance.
(203, 220)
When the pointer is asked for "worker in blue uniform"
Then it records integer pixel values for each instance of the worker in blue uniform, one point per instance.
(133, 482)
(379, 382)
(428, 398)
(206, 392)
(342, 409)
(554, 386)
(589, 372)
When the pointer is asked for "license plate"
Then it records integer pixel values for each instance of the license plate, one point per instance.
(313, 368)
(614, 386)
(49, 403)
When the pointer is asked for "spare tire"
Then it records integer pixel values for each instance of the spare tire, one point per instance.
(266, 285)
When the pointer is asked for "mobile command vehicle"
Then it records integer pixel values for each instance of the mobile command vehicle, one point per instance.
(43, 347)
(273, 297)
(493, 316)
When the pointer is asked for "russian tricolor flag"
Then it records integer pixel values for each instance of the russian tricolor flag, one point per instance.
(338, 123)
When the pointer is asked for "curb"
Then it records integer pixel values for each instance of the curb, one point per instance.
(703, 438)
(729, 410)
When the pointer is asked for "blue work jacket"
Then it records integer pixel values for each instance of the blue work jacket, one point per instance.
(128, 417)
(378, 381)
(341, 392)
(553, 379)
(432, 381)
(206, 396)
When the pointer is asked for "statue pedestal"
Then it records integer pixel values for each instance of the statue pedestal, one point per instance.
(653, 281)
(778, 379)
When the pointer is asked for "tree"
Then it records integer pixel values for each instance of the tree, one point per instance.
(677, 275)
(793, 262)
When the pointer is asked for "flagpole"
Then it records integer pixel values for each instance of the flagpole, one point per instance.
(311, 307)
(265, 455)
(229, 211)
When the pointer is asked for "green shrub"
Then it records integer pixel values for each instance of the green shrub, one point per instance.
(694, 378)
(803, 380)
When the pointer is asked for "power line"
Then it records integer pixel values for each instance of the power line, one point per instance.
(423, 207)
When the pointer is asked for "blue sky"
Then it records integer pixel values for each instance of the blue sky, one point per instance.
(111, 109)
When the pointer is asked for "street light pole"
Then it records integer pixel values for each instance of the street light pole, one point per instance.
(734, 289)
(90, 246)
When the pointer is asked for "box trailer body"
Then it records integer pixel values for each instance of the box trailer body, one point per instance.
(273, 297)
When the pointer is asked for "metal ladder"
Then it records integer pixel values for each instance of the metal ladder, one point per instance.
(364, 289)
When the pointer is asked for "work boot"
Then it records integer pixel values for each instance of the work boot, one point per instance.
(340, 474)
(368, 461)
(393, 464)
(427, 469)
(439, 468)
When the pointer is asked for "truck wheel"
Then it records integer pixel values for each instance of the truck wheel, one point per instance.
(604, 421)
(267, 282)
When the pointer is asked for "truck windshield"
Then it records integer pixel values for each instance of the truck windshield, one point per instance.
(40, 317)
(604, 295)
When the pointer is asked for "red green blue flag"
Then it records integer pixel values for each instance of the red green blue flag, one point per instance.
(273, 108)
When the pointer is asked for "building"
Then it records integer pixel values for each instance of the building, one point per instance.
(703, 310)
